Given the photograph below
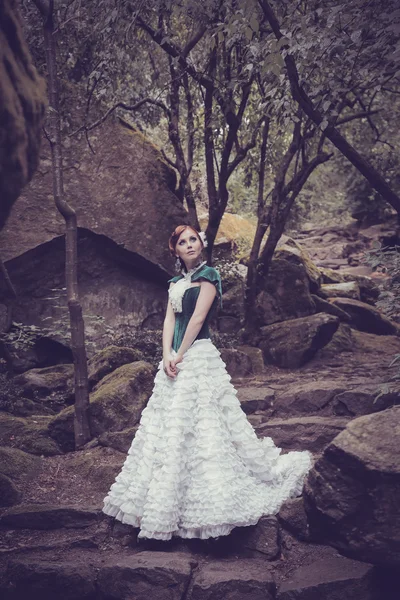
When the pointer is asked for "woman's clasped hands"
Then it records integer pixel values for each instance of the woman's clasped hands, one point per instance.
(169, 364)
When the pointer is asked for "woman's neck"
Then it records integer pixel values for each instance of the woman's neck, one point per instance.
(190, 265)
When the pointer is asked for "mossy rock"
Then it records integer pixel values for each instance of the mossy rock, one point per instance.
(116, 403)
(109, 359)
(9, 493)
(27, 433)
(18, 465)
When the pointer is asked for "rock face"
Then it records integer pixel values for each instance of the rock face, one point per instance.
(116, 403)
(294, 342)
(285, 294)
(22, 104)
(352, 493)
(124, 192)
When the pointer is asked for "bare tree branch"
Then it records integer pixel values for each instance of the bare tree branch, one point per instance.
(131, 108)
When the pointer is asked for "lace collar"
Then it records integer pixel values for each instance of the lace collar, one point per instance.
(177, 291)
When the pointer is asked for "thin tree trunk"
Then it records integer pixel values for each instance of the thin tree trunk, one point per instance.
(81, 418)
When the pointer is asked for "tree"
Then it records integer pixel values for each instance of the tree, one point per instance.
(81, 418)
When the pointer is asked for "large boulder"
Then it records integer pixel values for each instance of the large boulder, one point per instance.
(295, 253)
(123, 273)
(116, 403)
(22, 104)
(285, 294)
(292, 343)
(367, 318)
(352, 493)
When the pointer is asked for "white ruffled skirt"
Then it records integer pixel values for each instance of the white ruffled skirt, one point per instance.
(195, 468)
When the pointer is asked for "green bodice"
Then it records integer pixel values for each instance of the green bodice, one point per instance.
(189, 300)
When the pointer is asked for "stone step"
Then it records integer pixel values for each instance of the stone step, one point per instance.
(330, 579)
(45, 516)
(301, 433)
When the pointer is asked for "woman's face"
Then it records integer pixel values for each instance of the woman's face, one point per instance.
(188, 246)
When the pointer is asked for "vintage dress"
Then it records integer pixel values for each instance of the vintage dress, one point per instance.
(195, 467)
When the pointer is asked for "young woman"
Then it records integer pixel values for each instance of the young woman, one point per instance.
(196, 468)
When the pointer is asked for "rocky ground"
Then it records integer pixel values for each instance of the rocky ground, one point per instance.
(58, 543)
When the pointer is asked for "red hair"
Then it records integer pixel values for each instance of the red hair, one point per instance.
(176, 234)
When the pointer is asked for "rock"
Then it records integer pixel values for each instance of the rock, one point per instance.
(256, 357)
(369, 289)
(292, 343)
(54, 384)
(97, 473)
(263, 538)
(342, 341)
(242, 579)
(353, 490)
(324, 306)
(119, 440)
(295, 253)
(116, 402)
(293, 517)
(44, 516)
(233, 301)
(109, 359)
(285, 294)
(367, 318)
(356, 403)
(28, 433)
(384, 345)
(238, 364)
(33, 578)
(228, 324)
(18, 465)
(9, 493)
(253, 399)
(22, 104)
(155, 575)
(348, 289)
(302, 433)
(330, 579)
(307, 398)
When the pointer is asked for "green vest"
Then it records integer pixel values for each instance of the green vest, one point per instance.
(189, 300)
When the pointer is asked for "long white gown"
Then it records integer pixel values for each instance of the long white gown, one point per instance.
(195, 468)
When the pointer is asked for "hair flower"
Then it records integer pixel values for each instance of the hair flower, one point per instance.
(203, 238)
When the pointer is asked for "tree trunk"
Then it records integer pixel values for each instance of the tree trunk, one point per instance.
(81, 419)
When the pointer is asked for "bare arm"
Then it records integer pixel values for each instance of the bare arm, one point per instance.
(168, 333)
(203, 305)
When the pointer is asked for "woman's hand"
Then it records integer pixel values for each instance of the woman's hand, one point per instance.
(169, 366)
(177, 359)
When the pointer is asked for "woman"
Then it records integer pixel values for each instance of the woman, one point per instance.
(196, 468)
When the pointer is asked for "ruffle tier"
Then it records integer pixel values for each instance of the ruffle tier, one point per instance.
(196, 468)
